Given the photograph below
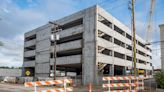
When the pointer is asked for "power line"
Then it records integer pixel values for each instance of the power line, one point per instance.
(116, 6)
(105, 2)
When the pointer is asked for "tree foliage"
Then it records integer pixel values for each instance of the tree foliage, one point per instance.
(159, 76)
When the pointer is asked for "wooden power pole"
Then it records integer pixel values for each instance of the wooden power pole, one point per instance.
(134, 37)
(56, 28)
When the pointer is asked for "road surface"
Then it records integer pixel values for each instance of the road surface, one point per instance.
(13, 88)
(4, 87)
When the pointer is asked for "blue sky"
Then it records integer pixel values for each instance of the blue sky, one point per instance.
(20, 16)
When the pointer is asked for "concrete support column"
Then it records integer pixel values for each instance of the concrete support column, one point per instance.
(146, 72)
(111, 70)
(89, 69)
(162, 45)
(124, 70)
(23, 72)
(112, 26)
(65, 73)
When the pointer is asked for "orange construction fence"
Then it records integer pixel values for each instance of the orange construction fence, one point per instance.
(51, 82)
(123, 84)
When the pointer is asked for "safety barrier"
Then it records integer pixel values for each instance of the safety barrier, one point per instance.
(149, 76)
(140, 83)
(123, 84)
(51, 82)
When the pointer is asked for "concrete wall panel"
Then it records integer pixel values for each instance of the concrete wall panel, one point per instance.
(42, 68)
(30, 33)
(112, 19)
(29, 53)
(42, 75)
(43, 57)
(69, 45)
(75, 59)
(30, 43)
(162, 45)
(71, 31)
(29, 64)
(43, 45)
(44, 34)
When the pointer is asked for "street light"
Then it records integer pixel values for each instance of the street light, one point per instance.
(54, 37)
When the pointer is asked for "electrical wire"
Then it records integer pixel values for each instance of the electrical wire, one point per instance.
(106, 2)
(116, 6)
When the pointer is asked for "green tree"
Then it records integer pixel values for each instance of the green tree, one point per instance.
(159, 77)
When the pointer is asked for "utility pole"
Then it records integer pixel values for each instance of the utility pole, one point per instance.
(134, 37)
(55, 29)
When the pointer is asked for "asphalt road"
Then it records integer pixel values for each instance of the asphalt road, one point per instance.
(4, 87)
(13, 88)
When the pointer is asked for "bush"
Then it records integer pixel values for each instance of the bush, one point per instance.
(159, 77)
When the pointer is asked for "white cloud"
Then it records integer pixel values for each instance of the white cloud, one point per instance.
(5, 10)
(154, 36)
(17, 20)
(11, 54)
(141, 25)
(30, 1)
(156, 54)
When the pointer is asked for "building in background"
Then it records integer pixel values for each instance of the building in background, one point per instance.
(162, 45)
(92, 44)
(10, 72)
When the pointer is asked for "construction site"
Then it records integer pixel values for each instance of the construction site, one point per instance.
(91, 44)
(87, 51)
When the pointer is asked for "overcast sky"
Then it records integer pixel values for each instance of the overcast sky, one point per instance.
(20, 16)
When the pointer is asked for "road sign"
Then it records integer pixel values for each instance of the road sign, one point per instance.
(28, 73)
(141, 71)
